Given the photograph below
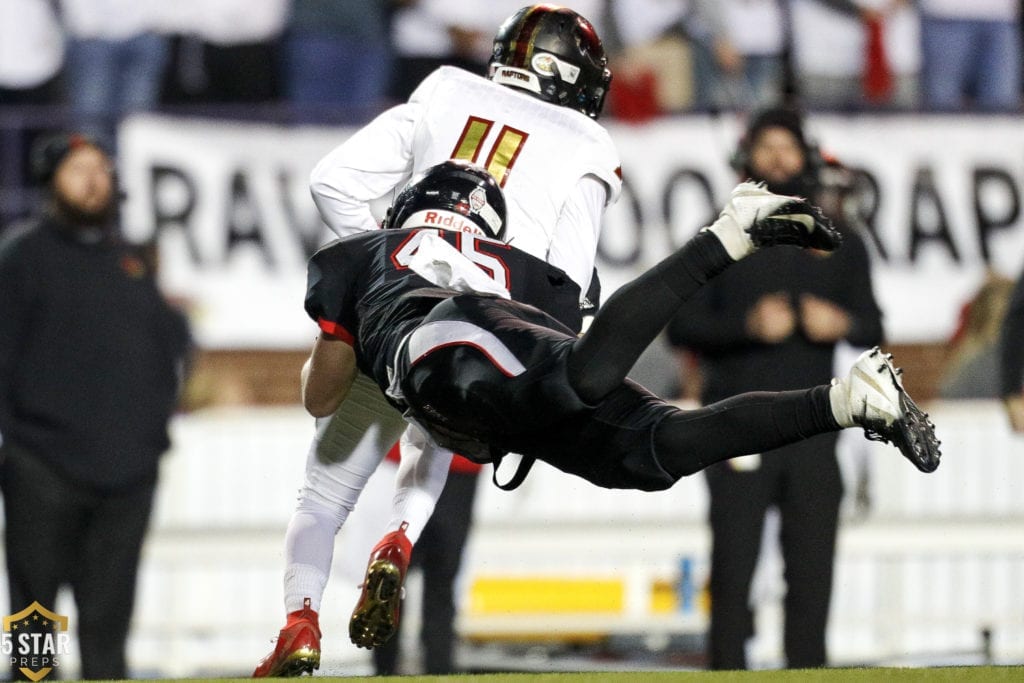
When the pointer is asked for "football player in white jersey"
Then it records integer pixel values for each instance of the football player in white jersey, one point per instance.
(532, 124)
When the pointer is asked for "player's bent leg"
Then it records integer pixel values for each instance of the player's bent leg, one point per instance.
(375, 618)
(420, 480)
(309, 553)
(346, 452)
(347, 449)
(872, 396)
(687, 441)
(638, 311)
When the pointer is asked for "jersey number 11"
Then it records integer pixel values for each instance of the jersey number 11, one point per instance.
(503, 153)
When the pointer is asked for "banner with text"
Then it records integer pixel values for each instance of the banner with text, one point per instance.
(229, 206)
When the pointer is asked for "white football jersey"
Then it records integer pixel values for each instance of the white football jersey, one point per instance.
(553, 163)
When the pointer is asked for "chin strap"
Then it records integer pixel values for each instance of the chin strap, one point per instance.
(518, 477)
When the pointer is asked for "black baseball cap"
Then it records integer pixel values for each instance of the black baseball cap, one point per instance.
(781, 117)
(48, 152)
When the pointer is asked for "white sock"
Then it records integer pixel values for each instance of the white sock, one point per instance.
(735, 240)
(309, 551)
(303, 581)
(839, 400)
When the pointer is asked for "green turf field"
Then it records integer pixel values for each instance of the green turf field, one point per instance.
(828, 675)
(970, 674)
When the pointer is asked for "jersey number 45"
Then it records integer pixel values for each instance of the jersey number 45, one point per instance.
(472, 247)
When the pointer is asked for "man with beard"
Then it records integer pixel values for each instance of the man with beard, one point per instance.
(91, 360)
(772, 324)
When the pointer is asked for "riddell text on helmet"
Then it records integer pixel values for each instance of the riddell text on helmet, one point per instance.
(451, 221)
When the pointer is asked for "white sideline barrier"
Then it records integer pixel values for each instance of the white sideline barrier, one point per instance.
(938, 558)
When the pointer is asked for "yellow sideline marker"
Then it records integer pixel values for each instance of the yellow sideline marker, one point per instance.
(546, 595)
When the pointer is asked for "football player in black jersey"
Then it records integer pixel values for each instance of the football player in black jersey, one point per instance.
(485, 374)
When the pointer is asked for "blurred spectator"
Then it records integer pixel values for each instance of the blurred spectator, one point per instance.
(337, 56)
(31, 58)
(972, 54)
(31, 52)
(424, 37)
(227, 50)
(652, 58)
(746, 41)
(772, 323)
(972, 367)
(1011, 356)
(856, 54)
(115, 61)
(91, 359)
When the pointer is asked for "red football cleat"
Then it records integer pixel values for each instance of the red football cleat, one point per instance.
(375, 619)
(298, 647)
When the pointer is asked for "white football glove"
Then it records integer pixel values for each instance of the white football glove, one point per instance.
(755, 217)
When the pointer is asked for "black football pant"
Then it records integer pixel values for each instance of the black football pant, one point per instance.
(689, 440)
(59, 532)
(439, 554)
(803, 481)
(566, 401)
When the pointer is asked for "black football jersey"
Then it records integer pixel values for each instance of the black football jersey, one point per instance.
(361, 289)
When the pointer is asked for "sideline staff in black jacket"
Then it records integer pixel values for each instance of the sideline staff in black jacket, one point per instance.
(772, 324)
(91, 358)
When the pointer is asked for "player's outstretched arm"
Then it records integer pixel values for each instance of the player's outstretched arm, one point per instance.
(327, 375)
